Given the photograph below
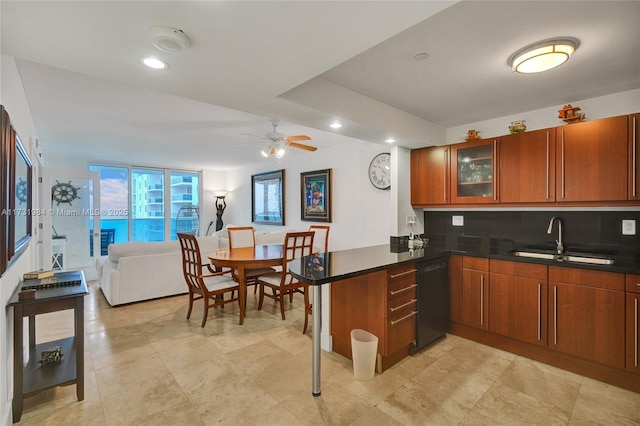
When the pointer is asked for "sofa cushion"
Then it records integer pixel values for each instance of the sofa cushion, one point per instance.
(140, 248)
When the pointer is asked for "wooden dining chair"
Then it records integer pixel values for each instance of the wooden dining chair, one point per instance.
(210, 286)
(296, 244)
(244, 236)
(321, 242)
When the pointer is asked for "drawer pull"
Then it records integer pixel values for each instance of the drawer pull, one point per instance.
(403, 305)
(411, 271)
(403, 318)
(392, 293)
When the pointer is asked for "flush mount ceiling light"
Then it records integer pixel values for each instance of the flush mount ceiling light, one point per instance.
(171, 40)
(543, 56)
(390, 140)
(155, 63)
(335, 125)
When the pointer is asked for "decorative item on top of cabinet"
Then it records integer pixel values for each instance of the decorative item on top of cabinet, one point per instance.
(634, 156)
(472, 135)
(592, 160)
(430, 175)
(474, 179)
(570, 114)
(517, 126)
(527, 167)
(633, 323)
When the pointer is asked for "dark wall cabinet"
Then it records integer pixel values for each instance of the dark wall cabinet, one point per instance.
(474, 174)
(577, 164)
(528, 167)
(593, 160)
(430, 175)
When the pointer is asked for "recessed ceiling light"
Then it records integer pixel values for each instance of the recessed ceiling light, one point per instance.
(390, 140)
(335, 125)
(169, 39)
(155, 63)
(543, 56)
(421, 56)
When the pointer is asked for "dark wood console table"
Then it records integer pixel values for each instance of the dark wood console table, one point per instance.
(33, 376)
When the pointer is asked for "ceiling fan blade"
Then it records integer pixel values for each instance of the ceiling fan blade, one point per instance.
(302, 146)
(298, 138)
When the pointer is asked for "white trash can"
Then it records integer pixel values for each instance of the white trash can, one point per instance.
(364, 348)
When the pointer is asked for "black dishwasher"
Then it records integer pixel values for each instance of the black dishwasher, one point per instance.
(433, 317)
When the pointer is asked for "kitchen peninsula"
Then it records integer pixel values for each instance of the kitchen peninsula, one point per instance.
(366, 277)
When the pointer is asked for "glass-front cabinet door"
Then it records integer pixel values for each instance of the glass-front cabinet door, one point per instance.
(473, 177)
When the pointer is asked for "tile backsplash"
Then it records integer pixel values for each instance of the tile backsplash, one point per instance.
(582, 228)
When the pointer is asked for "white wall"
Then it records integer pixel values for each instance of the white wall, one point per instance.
(594, 108)
(13, 98)
(361, 214)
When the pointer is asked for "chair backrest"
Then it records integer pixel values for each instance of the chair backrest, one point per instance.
(241, 236)
(191, 260)
(296, 244)
(321, 238)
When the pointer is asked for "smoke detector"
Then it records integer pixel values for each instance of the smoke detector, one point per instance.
(168, 39)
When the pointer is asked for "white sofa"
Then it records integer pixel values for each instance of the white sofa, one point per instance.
(138, 271)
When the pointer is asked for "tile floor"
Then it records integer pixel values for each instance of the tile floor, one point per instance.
(147, 365)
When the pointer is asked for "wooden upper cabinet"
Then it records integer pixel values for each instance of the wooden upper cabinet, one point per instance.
(474, 173)
(430, 175)
(634, 156)
(593, 160)
(528, 167)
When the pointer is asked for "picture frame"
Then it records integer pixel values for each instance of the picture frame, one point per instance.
(315, 196)
(4, 197)
(20, 197)
(268, 198)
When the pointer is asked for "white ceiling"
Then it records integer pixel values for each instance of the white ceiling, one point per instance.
(305, 63)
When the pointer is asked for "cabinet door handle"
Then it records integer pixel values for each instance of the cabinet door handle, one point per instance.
(555, 315)
(548, 166)
(403, 305)
(539, 313)
(392, 293)
(635, 353)
(633, 145)
(482, 299)
(494, 170)
(411, 271)
(403, 318)
(562, 166)
(444, 177)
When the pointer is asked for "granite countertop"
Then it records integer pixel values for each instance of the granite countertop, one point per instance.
(339, 265)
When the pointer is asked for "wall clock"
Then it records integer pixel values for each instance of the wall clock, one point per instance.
(380, 171)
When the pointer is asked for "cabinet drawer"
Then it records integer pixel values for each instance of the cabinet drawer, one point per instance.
(401, 306)
(475, 263)
(586, 277)
(633, 283)
(518, 269)
(400, 332)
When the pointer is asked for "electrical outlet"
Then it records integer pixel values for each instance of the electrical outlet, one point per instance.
(411, 220)
(457, 220)
(629, 227)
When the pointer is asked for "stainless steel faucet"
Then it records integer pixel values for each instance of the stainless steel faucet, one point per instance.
(560, 247)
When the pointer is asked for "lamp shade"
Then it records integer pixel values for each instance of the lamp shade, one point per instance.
(543, 56)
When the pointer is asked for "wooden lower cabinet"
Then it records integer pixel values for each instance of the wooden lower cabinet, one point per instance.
(586, 314)
(382, 303)
(518, 301)
(633, 324)
(475, 292)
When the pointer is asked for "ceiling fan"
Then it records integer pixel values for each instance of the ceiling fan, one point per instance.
(278, 142)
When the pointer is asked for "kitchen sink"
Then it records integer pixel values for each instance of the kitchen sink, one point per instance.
(588, 258)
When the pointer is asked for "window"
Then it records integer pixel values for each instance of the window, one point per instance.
(144, 198)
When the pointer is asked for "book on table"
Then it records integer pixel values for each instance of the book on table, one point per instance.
(37, 275)
(59, 279)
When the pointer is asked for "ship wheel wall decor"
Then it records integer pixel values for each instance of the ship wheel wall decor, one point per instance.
(21, 191)
(63, 192)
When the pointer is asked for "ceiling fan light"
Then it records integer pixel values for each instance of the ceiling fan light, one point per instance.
(155, 63)
(280, 152)
(264, 153)
(543, 56)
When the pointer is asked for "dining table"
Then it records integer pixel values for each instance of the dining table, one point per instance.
(243, 258)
